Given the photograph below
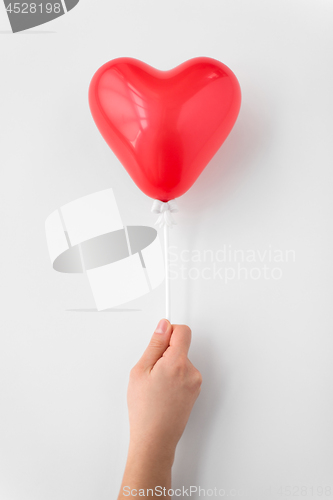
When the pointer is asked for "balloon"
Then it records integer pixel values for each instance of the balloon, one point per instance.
(164, 126)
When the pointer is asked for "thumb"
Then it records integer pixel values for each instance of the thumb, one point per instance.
(157, 345)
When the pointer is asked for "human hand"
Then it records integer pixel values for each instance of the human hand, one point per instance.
(162, 390)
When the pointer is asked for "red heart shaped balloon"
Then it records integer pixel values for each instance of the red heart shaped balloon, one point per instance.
(164, 126)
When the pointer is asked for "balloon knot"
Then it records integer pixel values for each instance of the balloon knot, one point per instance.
(164, 209)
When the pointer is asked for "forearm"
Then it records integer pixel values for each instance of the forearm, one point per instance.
(146, 469)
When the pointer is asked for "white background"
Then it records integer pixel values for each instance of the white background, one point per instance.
(265, 414)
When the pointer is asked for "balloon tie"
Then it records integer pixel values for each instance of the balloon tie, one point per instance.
(164, 209)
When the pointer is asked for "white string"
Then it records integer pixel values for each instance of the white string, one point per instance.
(165, 220)
(167, 278)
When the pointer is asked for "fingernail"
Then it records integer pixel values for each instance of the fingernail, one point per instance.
(162, 327)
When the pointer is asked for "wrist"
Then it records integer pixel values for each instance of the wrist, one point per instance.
(151, 453)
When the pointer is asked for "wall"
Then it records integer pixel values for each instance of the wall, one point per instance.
(263, 342)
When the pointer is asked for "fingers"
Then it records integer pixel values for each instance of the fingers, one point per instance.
(180, 340)
(157, 345)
